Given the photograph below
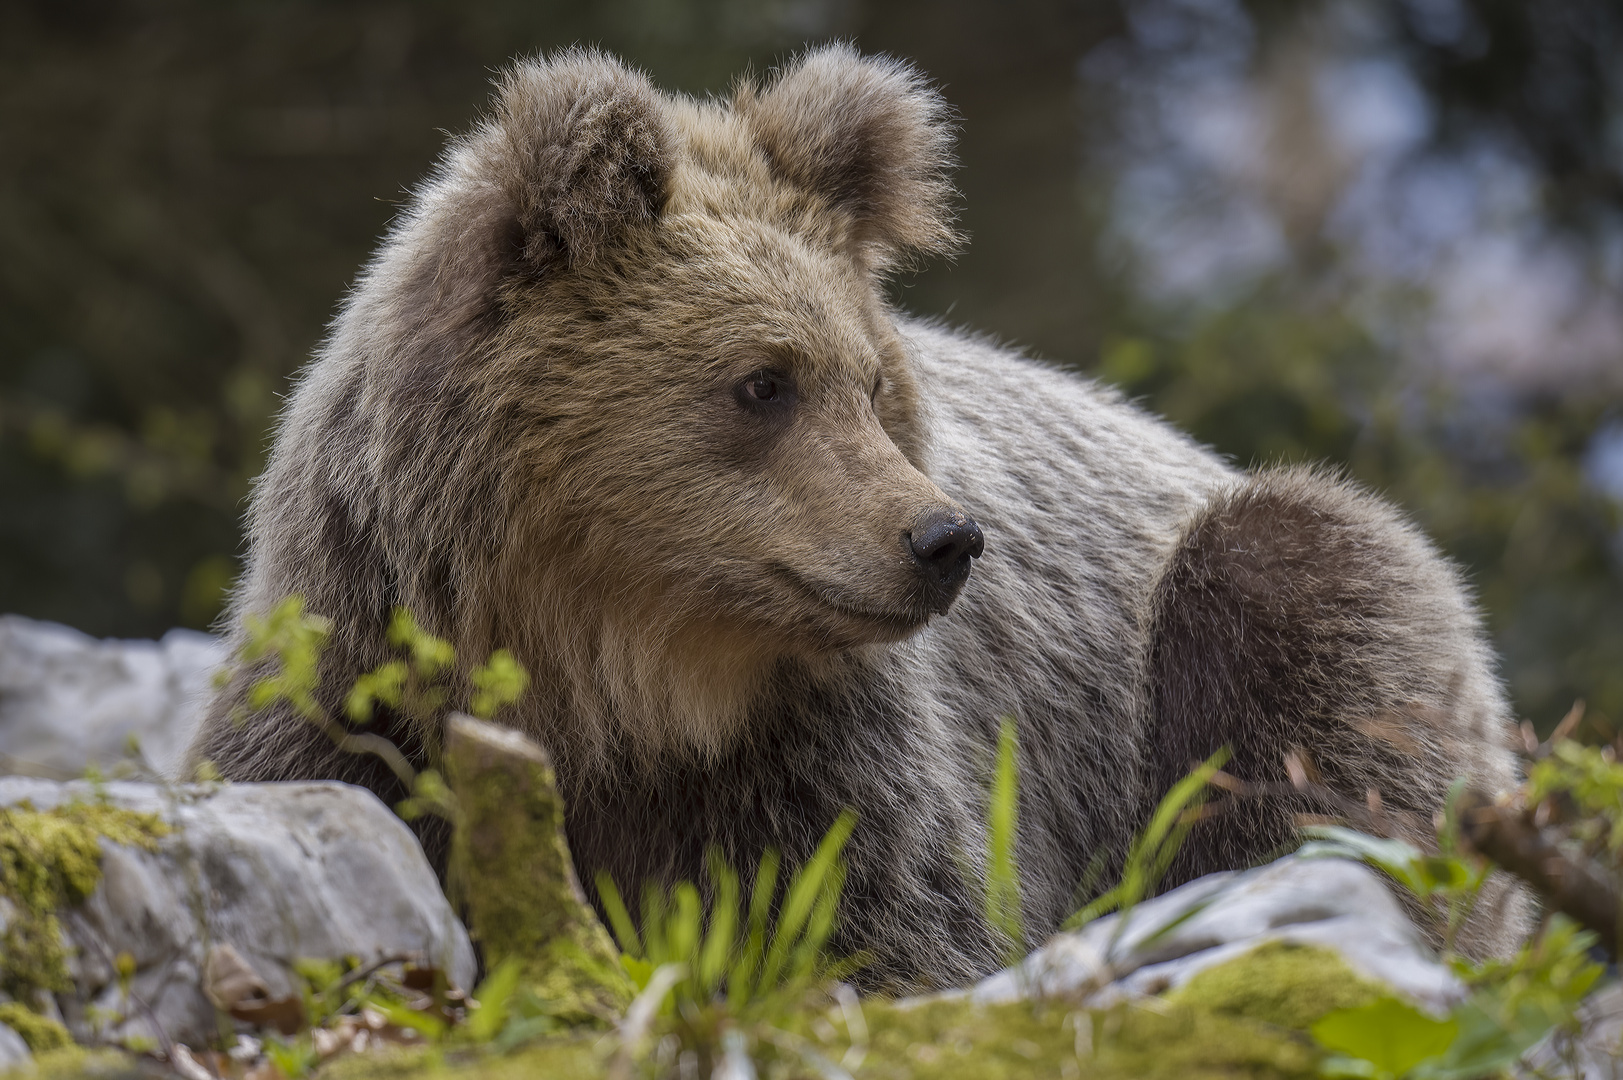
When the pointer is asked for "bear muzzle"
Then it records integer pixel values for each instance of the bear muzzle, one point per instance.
(943, 546)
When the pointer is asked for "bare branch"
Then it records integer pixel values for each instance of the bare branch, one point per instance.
(1574, 886)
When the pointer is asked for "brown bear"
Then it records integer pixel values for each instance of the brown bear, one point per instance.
(622, 392)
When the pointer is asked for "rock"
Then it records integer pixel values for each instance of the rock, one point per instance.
(13, 1051)
(1332, 903)
(68, 700)
(278, 872)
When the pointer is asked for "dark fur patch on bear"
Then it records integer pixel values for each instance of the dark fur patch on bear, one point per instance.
(1282, 626)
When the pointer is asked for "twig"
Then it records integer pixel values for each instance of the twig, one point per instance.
(1575, 887)
(16, 766)
(165, 1043)
(1568, 723)
(376, 745)
(1374, 816)
(374, 967)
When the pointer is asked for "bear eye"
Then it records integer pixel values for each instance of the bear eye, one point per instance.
(765, 388)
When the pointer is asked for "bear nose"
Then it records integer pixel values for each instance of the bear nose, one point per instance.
(942, 547)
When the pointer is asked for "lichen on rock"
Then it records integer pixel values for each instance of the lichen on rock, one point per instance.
(49, 860)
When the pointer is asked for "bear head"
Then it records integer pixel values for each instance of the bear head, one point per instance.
(639, 343)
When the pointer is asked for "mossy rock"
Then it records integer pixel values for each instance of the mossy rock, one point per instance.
(1282, 982)
(41, 1033)
(1141, 1041)
(51, 859)
(953, 1039)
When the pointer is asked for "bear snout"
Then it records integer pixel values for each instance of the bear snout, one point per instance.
(943, 545)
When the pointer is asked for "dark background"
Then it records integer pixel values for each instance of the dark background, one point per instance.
(1384, 234)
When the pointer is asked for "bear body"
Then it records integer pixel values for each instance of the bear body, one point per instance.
(621, 393)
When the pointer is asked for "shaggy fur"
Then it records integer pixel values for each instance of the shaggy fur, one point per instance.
(533, 425)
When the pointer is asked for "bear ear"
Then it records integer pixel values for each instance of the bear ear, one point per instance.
(578, 149)
(870, 135)
(582, 148)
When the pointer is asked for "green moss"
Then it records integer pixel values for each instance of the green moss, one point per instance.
(1130, 1042)
(51, 859)
(513, 869)
(556, 1059)
(1230, 1022)
(41, 1033)
(948, 1040)
(1282, 983)
(77, 1063)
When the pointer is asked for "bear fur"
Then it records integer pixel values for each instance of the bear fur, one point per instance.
(621, 392)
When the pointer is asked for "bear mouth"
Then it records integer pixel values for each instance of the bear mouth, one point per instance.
(876, 623)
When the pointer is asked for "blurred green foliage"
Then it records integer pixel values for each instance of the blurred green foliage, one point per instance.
(186, 189)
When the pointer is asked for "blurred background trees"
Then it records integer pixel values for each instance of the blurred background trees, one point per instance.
(1383, 233)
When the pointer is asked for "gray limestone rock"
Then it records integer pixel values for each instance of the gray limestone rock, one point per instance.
(1166, 941)
(68, 700)
(13, 1051)
(279, 872)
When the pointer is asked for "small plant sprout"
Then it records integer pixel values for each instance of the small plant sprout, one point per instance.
(499, 683)
(704, 970)
(290, 642)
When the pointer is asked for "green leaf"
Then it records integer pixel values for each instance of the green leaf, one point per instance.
(1002, 828)
(1486, 1044)
(382, 686)
(494, 995)
(500, 682)
(625, 930)
(684, 928)
(804, 888)
(1390, 1034)
(1396, 858)
(429, 655)
(430, 794)
(638, 970)
(1153, 850)
(294, 1059)
(721, 935)
(295, 640)
(321, 975)
(428, 1025)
